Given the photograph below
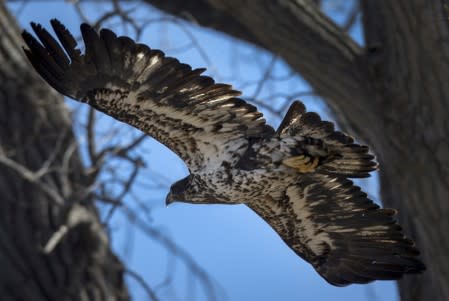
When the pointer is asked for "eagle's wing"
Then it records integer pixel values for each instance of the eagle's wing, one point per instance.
(199, 120)
(345, 236)
(337, 152)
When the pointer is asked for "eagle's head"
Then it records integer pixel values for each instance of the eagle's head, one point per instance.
(191, 189)
(178, 191)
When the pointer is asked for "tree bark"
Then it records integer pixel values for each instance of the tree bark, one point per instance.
(411, 40)
(393, 94)
(44, 190)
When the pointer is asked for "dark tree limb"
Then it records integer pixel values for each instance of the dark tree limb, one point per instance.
(43, 190)
(409, 43)
(303, 36)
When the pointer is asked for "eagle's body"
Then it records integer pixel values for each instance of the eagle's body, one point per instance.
(295, 178)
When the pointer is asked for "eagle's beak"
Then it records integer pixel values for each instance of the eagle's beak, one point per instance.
(170, 198)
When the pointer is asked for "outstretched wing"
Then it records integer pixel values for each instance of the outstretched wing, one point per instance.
(345, 236)
(338, 153)
(201, 121)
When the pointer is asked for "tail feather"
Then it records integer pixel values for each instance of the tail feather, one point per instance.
(344, 157)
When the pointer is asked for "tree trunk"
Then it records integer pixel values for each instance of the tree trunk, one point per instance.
(393, 94)
(44, 190)
(411, 40)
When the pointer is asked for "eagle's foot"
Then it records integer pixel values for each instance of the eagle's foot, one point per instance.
(302, 163)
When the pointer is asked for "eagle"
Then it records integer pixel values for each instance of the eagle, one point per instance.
(296, 177)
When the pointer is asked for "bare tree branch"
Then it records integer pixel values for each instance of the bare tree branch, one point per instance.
(76, 216)
(33, 177)
(40, 178)
(90, 134)
(194, 267)
(352, 16)
(143, 283)
(304, 37)
(265, 77)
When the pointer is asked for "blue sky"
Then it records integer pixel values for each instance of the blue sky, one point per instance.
(243, 255)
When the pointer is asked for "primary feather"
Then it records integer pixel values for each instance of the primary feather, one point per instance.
(157, 94)
(294, 178)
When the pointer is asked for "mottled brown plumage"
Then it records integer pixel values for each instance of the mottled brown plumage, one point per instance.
(295, 178)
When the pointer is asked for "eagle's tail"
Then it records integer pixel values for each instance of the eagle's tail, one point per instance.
(334, 152)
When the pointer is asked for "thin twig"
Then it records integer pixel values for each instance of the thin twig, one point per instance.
(30, 176)
(265, 76)
(65, 169)
(116, 150)
(76, 215)
(55, 239)
(173, 248)
(151, 294)
(352, 16)
(90, 133)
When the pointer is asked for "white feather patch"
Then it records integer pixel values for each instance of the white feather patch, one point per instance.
(308, 229)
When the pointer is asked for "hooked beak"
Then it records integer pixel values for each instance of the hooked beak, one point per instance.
(170, 198)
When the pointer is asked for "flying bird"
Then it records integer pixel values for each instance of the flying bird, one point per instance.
(295, 177)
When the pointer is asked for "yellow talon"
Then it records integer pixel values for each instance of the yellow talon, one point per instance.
(302, 163)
